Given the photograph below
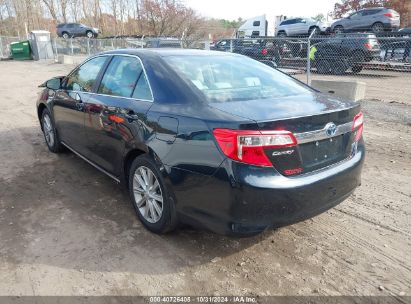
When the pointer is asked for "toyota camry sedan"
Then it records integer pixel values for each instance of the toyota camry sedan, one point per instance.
(209, 139)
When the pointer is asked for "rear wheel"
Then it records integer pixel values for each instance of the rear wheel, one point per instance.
(377, 27)
(281, 34)
(153, 204)
(356, 69)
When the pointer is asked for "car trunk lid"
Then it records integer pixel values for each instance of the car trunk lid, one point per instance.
(321, 125)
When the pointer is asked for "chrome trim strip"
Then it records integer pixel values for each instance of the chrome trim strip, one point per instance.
(90, 162)
(321, 134)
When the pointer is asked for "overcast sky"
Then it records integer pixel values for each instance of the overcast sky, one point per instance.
(232, 9)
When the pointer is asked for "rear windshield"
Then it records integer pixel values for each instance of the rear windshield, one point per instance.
(234, 78)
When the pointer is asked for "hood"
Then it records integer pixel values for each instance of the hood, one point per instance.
(284, 107)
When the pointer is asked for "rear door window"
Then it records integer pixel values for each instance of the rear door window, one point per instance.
(125, 77)
(121, 76)
(85, 76)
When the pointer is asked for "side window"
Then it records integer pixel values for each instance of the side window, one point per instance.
(256, 23)
(85, 76)
(142, 90)
(121, 76)
(357, 15)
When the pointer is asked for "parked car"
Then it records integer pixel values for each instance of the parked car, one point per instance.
(211, 139)
(397, 47)
(377, 19)
(268, 51)
(67, 30)
(345, 51)
(405, 31)
(163, 43)
(300, 26)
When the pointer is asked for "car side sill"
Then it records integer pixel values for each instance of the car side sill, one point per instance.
(90, 162)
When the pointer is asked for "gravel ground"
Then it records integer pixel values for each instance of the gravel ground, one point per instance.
(67, 229)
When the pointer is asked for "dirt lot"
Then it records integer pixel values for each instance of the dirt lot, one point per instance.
(67, 229)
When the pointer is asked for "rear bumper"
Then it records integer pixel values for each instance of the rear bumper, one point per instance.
(392, 25)
(243, 200)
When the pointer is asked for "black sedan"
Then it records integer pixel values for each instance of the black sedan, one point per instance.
(211, 139)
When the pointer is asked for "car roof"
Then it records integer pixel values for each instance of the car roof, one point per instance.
(164, 52)
(373, 8)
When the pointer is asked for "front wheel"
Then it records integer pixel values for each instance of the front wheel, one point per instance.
(50, 132)
(89, 34)
(324, 67)
(338, 29)
(151, 199)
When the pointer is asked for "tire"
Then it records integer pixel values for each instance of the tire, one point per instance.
(316, 28)
(155, 208)
(338, 67)
(324, 67)
(357, 56)
(65, 35)
(281, 34)
(357, 69)
(50, 133)
(339, 29)
(89, 34)
(377, 27)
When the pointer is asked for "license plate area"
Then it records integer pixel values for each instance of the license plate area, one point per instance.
(323, 152)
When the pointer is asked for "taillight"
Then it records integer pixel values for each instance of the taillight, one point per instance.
(264, 52)
(368, 46)
(389, 15)
(358, 125)
(248, 146)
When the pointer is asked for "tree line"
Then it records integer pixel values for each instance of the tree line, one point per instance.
(143, 17)
(169, 18)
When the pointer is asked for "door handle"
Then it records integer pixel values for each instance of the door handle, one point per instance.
(130, 115)
(79, 102)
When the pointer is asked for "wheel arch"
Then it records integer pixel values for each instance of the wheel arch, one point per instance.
(40, 109)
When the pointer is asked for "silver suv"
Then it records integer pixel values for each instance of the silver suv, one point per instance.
(300, 26)
(377, 19)
(67, 30)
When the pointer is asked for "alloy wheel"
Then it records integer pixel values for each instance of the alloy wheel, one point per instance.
(377, 28)
(48, 130)
(148, 195)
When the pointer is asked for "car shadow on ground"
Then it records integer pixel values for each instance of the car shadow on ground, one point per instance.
(62, 212)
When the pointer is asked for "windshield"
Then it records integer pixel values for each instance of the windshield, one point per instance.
(234, 78)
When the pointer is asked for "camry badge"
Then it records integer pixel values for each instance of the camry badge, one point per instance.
(287, 152)
(330, 129)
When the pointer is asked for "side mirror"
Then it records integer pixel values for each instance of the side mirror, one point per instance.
(53, 84)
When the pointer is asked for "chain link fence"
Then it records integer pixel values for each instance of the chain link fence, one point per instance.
(5, 45)
(383, 62)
